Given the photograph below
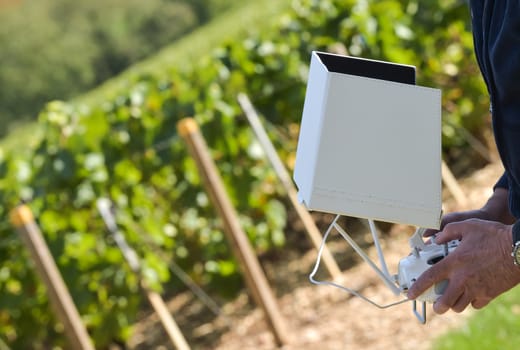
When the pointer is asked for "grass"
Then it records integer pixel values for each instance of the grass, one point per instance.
(250, 16)
(494, 327)
(20, 135)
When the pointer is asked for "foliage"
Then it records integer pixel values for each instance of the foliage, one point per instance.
(57, 49)
(126, 147)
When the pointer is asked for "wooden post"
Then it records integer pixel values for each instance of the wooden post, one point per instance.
(254, 276)
(169, 325)
(61, 301)
(171, 328)
(453, 186)
(284, 177)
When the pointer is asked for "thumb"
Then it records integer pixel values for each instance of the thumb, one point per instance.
(430, 277)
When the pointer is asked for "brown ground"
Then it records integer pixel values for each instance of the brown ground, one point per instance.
(318, 317)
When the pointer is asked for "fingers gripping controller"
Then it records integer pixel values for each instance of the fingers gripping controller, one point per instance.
(423, 256)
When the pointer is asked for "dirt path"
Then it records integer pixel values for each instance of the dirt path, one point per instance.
(320, 317)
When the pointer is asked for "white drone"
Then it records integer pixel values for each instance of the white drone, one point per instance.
(370, 147)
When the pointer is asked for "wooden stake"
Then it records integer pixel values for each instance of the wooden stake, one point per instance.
(253, 273)
(61, 301)
(453, 186)
(310, 226)
(172, 330)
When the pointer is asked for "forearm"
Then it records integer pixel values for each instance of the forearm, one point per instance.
(497, 207)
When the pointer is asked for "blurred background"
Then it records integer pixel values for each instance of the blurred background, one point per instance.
(90, 95)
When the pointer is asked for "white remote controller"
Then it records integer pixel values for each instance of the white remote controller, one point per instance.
(423, 257)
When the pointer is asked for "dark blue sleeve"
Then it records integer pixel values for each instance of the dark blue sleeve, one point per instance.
(496, 29)
(503, 182)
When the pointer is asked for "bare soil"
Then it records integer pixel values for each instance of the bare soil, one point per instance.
(319, 317)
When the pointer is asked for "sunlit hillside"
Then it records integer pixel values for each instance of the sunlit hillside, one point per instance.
(242, 18)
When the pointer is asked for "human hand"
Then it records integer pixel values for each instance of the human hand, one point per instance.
(480, 269)
(460, 216)
(495, 209)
